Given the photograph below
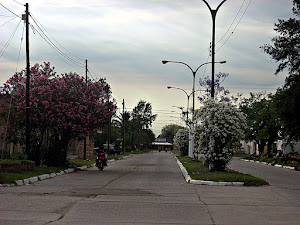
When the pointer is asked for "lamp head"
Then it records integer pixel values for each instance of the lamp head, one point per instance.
(223, 62)
(169, 87)
(164, 61)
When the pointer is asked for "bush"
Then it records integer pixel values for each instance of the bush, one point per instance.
(14, 156)
(222, 125)
(181, 140)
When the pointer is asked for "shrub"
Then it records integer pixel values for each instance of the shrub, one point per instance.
(221, 125)
(181, 140)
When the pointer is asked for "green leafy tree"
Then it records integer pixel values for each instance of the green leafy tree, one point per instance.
(169, 131)
(286, 51)
(287, 44)
(263, 124)
(142, 119)
(287, 106)
(119, 122)
(147, 138)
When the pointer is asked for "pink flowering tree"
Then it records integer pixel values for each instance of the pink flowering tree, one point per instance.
(62, 108)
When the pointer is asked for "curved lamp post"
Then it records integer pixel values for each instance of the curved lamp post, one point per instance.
(213, 15)
(191, 133)
(188, 97)
(194, 74)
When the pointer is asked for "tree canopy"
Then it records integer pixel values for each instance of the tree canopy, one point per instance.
(287, 44)
(286, 51)
(142, 119)
(62, 107)
(169, 131)
(221, 125)
(287, 103)
(263, 124)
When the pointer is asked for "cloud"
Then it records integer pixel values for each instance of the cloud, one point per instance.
(125, 42)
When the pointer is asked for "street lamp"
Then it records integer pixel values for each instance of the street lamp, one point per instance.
(194, 74)
(213, 15)
(191, 150)
(188, 97)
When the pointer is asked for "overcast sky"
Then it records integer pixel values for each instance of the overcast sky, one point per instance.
(126, 40)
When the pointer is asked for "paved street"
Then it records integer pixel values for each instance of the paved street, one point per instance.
(142, 189)
(284, 181)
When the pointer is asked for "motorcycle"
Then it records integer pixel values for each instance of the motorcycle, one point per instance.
(101, 160)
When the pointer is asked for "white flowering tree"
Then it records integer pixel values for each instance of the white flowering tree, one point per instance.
(181, 140)
(221, 125)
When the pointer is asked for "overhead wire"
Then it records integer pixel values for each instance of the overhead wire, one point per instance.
(235, 27)
(231, 22)
(36, 21)
(18, 3)
(20, 48)
(55, 50)
(7, 16)
(59, 52)
(10, 11)
(223, 35)
(9, 40)
(9, 21)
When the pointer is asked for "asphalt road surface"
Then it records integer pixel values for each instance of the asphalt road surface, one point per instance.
(284, 181)
(142, 189)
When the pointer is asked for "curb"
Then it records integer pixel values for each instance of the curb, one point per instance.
(270, 164)
(204, 182)
(32, 180)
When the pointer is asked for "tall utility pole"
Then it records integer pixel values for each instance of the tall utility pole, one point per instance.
(213, 15)
(26, 18)
(123, 103)
(109, 128)
(84, 141)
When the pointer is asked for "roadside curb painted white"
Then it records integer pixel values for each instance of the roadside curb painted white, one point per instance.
(270, 164)
(31, 180)
(204, 182)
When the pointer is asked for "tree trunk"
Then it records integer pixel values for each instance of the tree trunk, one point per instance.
(57, 152)
(261, 147)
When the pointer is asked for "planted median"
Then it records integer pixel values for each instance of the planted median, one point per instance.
(198, 171)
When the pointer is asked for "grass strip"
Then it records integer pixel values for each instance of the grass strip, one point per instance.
(280, 160)
(80, 162)
(198, 171)
(8, 178)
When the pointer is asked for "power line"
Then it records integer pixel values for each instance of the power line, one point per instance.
(9, 40)
(56, 51)
(8, 21)
(232, 22)
(40, 25)
(6, 16)
(20, 48)
(91, 75)
(59, 52)
(235, 26)
(18, 3)
(10, 11)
